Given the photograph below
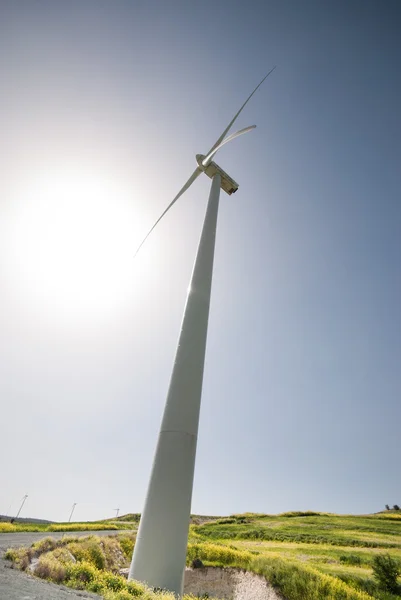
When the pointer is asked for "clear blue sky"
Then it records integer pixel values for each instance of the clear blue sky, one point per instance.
(104, 106)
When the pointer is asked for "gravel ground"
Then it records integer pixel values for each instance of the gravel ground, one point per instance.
(16, 585)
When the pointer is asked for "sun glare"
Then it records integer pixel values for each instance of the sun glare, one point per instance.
(72, 242)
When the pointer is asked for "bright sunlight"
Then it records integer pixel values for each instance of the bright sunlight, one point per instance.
(72, 242)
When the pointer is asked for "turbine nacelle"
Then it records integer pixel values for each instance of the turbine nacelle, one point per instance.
(211, 169)
(207, 166)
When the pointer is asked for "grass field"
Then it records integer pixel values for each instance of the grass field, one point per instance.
(125, 522)
(341, 546)
(7, 527)
(306, 556)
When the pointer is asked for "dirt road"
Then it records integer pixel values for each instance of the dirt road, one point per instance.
(16, 585)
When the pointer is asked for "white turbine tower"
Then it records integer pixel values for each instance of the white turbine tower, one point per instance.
(160, 549)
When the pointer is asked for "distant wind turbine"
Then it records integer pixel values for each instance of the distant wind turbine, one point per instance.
(160, 548)
(117, 511)
(20, 508)
(72, 511)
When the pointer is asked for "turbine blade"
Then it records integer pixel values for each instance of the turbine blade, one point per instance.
(184, 188)
(221, 138)
(207, 158)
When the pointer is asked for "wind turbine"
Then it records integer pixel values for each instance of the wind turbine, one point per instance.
(161, 543)
(72, 511)
(20, 508)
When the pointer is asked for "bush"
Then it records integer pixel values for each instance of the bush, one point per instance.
(19, 556)
(197, 564)
(386, 571)
(48, 567)
(351, 559)
(127, 546)
(7, 527)
(96, 586)
(135, 588)
(114, 555)
(113, 582)
(228, 521)
(44, 545)
(96, 555)
(81, 574)
(63, 555)
(79, 551)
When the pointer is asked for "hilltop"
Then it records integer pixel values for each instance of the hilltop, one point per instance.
(135, 517)
(8, 518)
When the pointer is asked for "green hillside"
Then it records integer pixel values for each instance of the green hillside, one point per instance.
(342, 546)
(304, 555)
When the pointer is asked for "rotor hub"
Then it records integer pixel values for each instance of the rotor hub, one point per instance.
(227, 183)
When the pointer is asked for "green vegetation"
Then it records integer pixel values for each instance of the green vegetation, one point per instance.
(125, 522)
(306, 547)
(130, 517)
(92, 526)
(89, 563)
(311, 528)
(386, 570)
(304, 555)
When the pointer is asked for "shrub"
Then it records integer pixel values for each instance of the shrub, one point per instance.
(114, 555)
(44, 545)
(68, 539)
(96, 586)
(127, 545)
(81, 574)
(96, 555)
(19, 556)
(351, 559)
(228, 521)
(135, 588)
(7, 527)
(113, 582)
(386, 570)
(197, 564)
(48, 567)
(63, 555)
(79, 551)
